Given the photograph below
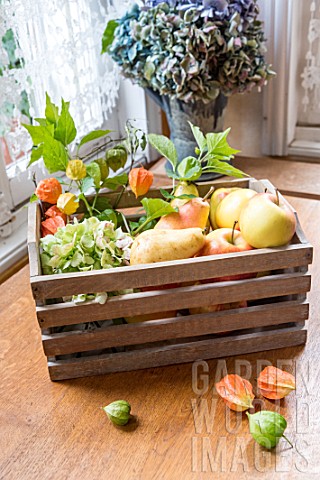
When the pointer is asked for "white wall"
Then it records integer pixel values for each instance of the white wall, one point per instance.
(244, 115)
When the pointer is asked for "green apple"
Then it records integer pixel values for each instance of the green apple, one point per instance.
(229, 209)
(216, 199)
(266, 222)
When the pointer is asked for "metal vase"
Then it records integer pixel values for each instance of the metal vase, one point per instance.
(209, 117)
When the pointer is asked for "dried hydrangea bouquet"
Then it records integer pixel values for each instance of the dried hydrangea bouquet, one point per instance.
(190, 55)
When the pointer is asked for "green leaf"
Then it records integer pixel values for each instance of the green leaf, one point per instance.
(54, 155)
(102, 203)
(114, 182)
(39, 133)
(200, 138)
(165, 147)
(109, 214)
(216, 166)
(65, 131)
(171, 174)
(41, 121)
(155, 208)
(36, 154)
(189, 169)
(169, 196)
(93, 170)
(86, 183)
(217, 144)
(93, 136)
(52, 111)
(33, 198)
(108, 35)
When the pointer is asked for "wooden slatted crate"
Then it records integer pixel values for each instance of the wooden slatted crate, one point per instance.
(82, 340)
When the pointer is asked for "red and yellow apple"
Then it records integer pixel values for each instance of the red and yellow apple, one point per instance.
(218, 308)
(267, 222)
(229, 209)
(225, 240)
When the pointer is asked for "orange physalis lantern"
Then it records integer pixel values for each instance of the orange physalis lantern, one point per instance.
(140, 180)
(51, 225)
(275, 383)
(49, 190)
(55, 212)
(236, 392)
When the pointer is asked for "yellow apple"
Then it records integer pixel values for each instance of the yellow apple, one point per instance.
(216, 199)
(229, 209)
(267, 222)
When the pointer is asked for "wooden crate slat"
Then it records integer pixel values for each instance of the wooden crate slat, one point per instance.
(179, 327)
(173, 354)
(177, 298)
(193, 269)
(128, 199)
(34, 239)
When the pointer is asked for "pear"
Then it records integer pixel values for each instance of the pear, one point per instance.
(158, 245)
(193, 214)
(215, 200)
(183, 188)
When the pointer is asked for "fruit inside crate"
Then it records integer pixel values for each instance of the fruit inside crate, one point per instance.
(86, 339)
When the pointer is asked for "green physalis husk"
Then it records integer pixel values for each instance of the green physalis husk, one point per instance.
(118, 412)
(116, 157)
(267, 428)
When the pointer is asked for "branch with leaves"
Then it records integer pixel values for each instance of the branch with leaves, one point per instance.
(53, 140)
(213, 156)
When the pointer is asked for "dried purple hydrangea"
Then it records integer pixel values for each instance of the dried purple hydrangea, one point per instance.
(191, 49)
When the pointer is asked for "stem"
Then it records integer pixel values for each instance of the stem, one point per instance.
(277, 196)
(288, 441)
(95, 150)
(125, 223)
(233, 229)
(135, 232)
(69, 186)
(85, 201)
(116, 203)
(40, 201)
(95, 198)
(207, 195)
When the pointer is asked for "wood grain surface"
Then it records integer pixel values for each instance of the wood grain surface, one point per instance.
(180, 429)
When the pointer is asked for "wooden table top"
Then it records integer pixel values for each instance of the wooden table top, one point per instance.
(58, 430)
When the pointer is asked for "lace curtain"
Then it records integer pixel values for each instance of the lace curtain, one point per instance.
(57, 49)
(310, 112)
